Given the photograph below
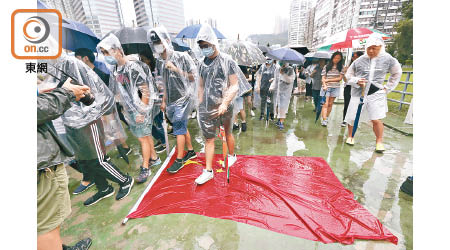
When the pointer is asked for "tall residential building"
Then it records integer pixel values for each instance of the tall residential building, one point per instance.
(381, 15)
(169, 13)
(101, 16)
(333, 16)
(298, 21)
(309, 32)
(281, 25)
(323, 20)
(63, 6)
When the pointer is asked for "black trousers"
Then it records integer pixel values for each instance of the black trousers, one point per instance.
(347, 97)
(90, 153)
(264, 93)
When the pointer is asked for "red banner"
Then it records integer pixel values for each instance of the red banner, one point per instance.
(298, 196)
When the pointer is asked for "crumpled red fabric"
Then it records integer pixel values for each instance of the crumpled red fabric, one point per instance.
(297, 196)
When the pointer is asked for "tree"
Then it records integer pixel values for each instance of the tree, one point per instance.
(402, 45)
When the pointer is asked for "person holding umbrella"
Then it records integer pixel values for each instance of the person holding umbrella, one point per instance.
(332, 75)
(265, 76)
(348, 87)
(220, 82)
(367, 74)
(317, 81)
(281, 88)
(180, 78)
(131, 83)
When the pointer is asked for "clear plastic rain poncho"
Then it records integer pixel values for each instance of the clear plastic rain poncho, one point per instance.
(216, 84)
(178, 73)
(80, 115)
(374, 70)
(282, 89)
(132, 85)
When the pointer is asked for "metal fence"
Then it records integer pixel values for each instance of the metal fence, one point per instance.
(404, 91)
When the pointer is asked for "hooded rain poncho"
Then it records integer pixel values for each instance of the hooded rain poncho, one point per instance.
(374, 70)
(215, 85)
(180, 82)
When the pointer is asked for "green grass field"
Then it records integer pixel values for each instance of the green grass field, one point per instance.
(393, 106)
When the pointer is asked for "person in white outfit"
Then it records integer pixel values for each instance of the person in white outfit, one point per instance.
(368, 73)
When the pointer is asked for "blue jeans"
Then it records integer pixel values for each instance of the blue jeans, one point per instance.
(316, 97)
(157, 128)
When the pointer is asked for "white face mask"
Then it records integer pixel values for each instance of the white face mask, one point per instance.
(159, 48)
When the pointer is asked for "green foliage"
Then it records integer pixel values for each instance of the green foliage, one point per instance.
(402, 45)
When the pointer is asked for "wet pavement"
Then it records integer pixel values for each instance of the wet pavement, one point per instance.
(374, 179)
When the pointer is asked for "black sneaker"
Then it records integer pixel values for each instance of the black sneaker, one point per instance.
(235, 126)
(176, 166)
(100, 195)
(159, 148)
(407, 186)
(125, 189)
(143, 175)
(83, 244)
(189, 155)
(261, 117)
(244, 126)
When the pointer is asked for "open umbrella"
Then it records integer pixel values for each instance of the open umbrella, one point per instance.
(321, 55)
(179, 45)
(244, 53)
(319, 109)
(132, 39)
(350, 38)
(287, 55)
(358, 112)
(76, 35)
(302, 49)
(192, 31)
(263, 48)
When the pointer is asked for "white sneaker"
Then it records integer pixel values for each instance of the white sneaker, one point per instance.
(231, 160)
(194, 115)
(252, 114)
(324, 123)
(204, 177)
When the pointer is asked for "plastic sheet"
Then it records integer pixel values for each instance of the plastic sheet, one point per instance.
(132, 85)
(114, 132)
(80, 115)
(297, 196)
(179, 74)
(282, 86)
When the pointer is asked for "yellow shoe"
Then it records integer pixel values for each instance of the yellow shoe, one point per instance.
(379, 148)
(350, 141)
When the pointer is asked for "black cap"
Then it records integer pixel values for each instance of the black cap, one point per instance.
(154, 38)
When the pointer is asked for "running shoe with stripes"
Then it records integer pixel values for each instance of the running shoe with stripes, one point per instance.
(125, 189)
(155, 162)
(100, 195)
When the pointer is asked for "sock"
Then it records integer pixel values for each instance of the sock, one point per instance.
(209, 171)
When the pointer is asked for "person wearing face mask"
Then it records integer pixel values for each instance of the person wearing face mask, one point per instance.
(367, 73)
(265, 76)
(180, 78)
(281, 88)
(132, 84)
(220, 82)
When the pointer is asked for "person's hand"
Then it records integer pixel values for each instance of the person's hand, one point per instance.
(163, 106)
(170, 66)
(271, 90)
(271, 80)
(362, 82)
(78, 90)
(222, 109)
(140, 119)
(324, 87)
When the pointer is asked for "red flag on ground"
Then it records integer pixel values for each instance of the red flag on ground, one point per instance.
(298, 196)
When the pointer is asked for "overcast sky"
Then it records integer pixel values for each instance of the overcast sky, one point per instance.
(243, 17)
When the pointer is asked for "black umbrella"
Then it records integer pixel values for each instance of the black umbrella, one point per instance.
(302, 49)
(132, 39)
